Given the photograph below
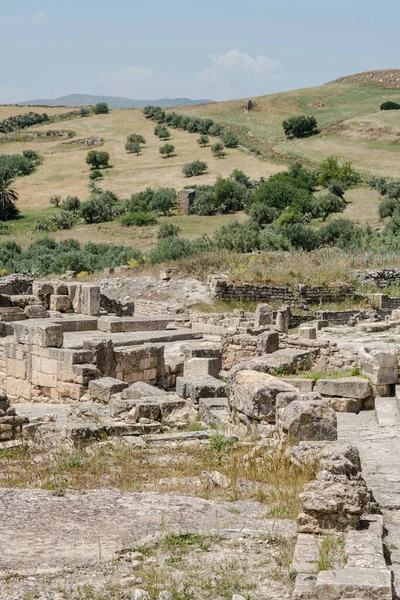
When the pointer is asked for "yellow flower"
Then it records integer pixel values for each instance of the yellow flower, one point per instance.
(82, 274)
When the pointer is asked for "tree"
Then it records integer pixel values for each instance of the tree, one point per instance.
(167, 150)
(133, 147)
(84, 111)
(97, 159)
(331, 169)
(8, 198)
(218, 150)
(136, 137)
(101, 108)
(163, 200)
(203, 140)
(55, 201)
(194, 169)
(337, 187)
(300, 126)
(328, 204)
(162, 132)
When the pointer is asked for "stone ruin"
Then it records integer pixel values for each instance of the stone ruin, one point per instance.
(150, 378)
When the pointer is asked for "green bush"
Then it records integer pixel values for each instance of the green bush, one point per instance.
(327, 205)
(195, 168)
(138, 219)
(390, 105)
(161, 201)
(337, 187)
(71, 203)
(238, 237)
(230, 139)
(16, 165)
(300, 126)
(388, 207)
(101, 108)
(167, 230)
(162, 132)
(31, 155)
(263, 214)
(84, 112)
(16, 122)
(167, 150)
(172, 248)
(330, 169)
(300, 236)
(343, 233)
(55, 201)
(272, 240)
(136, 137)
(63, 220)
(216, 130)
(95, 174)
(203, 140)
(218, 150)
(133, 147)
(96, 210)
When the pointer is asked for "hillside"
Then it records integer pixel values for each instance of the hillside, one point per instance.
(348, 101)
(112, 101)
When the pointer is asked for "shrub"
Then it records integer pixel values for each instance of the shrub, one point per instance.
(31, 155)
(16, 165)
(230, 139)
(195, 168)
(138, 219)
(55, 201)
(84, 112)
(71, 203)
(337, 187)
(280, 191)
(16, 122)
(388, 207)
(174, 248)
(205, 203)
(271, 239)
(63, 220)
(218, 150)
(307, 178)
(97, 159)
(163, 200)
(203, 140)
(162, 132)
(101, 108)
(95, 174)
(238, 237)
(390, 105)
(241, 177)
(263, 214)
(216, 130)
(133, 147)
(167, 230)
(331, 169)
(300, 126)
(342, 233)
(167, 150)
(300, 236)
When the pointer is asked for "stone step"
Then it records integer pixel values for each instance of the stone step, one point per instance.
(387, 412)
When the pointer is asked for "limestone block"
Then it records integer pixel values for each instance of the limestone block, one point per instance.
(345, 387)
(348, 405)
(146, 408)
(283, 318)
(303, 385)
(102, 389)
(140, 389)
(60, 288)
(254, 394)
(200, 387)
(75, 295)
(202, 367)
(307, 332)
(42, 288)
(18, 389)
(39, 332)
(90, 304)
(268, 342)
(306, 419)
(353, 582)
(36, 311)
(264, 315)
(70, 391)
(320, 324)
(214, 411)
(379, 363)
(60, 303)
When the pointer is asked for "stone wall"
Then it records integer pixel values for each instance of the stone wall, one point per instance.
(379, 277)
(247, 292)
(341, 317)
(386, 303)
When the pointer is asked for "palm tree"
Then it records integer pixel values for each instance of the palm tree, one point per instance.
(8, 198)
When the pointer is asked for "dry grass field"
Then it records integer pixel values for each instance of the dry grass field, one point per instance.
(65, 172)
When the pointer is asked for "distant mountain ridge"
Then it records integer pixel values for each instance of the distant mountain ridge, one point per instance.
(112, 101)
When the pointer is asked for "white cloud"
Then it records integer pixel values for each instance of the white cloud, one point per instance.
(234, 63)
(233, 74)
(39, 17)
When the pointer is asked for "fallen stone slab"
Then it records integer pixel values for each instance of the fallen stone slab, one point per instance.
(214, 411)
(202, 367)
(353, 582)
(102, 389)
(78, 530)
(306, 417)
(345, 387)
(379, 363)
(39, 333)
(287, 361)
(302, 384)
(127, 324)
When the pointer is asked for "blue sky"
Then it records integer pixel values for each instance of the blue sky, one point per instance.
(215, 49)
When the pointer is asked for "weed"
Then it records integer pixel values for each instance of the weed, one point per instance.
(331, 553)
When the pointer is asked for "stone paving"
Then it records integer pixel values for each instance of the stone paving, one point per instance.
(377, 435)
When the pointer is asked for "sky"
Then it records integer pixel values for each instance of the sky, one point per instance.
(217, 49)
